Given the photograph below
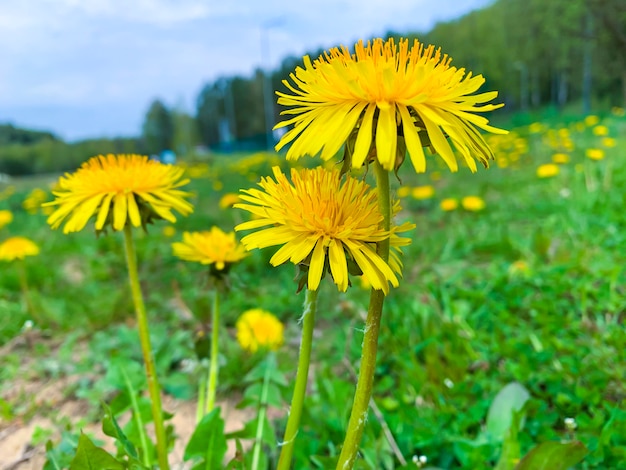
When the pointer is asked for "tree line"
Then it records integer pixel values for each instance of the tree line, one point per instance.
(536, 53)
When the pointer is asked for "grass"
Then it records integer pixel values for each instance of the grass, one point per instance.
(530, 289)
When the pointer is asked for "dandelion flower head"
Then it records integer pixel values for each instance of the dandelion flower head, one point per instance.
(324, 222)
(449, 204)
(6, 217)
(118, 190)
(17, 248)
(473, 203)
(423, 192)
(257, 329)
(383, 99)
(595, 154)
(213, 247)
(547, 170)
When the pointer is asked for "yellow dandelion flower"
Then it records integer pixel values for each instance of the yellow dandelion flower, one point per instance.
(560, 158)
(595, 154)
(6, 217)
(324, 222)
(404, 191)
(609, 142)
(17, 248)
(229, 200)
(117, 190)
(423, 192)
(536, 128)
(473, 203)
(600, 130)
(547, 171)
(563, 132)
(383, 90)
(592, 120)
(449, 204)
(212, 247)
(257, 329)
(169, 231)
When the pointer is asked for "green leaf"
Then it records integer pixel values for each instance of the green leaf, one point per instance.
(208, 441)
(511, 447)
(90, 457)
(112, 429)
(508, 400)
(553, 455)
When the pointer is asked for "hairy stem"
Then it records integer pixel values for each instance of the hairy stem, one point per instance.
(214, 365)
(299, 391)
(146, 349)
(363, 394)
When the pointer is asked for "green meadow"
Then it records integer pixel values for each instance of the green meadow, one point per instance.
(506, 332)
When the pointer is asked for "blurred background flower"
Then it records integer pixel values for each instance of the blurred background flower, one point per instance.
(258, 329)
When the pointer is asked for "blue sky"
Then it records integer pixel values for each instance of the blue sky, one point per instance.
(90, 68)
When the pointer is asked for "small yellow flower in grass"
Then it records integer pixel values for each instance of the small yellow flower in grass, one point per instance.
(324, 222)
(229, 200)
(212, 247)
(560, 158)
(473, 203)
(118, 190)
(449, 204)
(404, 191)
(258, 329)
(17, 248)
(383, 90)
(609, 142)
(6, 217)
(563, 132)
(592, 120)
(169, 231)
(548, 170)
(536, 128)
(595, 154)
(600, 130)
(423, 192)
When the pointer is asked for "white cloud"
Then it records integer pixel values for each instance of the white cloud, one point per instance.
(120, 54)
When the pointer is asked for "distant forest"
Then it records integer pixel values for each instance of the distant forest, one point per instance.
(536, 53)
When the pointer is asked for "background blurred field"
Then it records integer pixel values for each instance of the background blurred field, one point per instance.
(528, 289)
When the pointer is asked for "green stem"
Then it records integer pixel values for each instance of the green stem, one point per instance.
(214, 365)
(297, 401)
(358, 415)
(201, 394)
(146, 349)
(256, 452)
